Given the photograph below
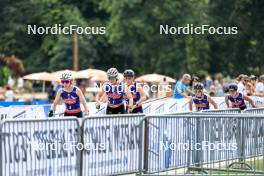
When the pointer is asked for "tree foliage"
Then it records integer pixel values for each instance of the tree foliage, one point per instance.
(132, 37)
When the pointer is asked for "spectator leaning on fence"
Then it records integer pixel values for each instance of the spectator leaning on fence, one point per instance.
(9, 94)
(237, 99)
(181, 90)
(260, 87)
(201, 100)
(241, 86)
(193, 82)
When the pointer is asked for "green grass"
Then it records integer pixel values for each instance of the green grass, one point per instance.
(257, 165)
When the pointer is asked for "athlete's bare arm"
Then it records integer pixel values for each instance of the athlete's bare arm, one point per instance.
(143, 96)
(130, 98)
(82, 100)
(249, 100)
(212, 102)
(101, 94)
(190, 104)
(227, 101)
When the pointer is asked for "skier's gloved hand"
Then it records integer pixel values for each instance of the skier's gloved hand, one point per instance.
(51, 113)
(97, 105)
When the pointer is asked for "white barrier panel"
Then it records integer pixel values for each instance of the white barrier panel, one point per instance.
(14, 112)
(167, 106)
(40, 147)
(164, 106)
(113, 143)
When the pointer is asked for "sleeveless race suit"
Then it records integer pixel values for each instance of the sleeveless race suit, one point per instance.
(237, 101)
(115, 94)
(136, 97)
(72, 102)
(201, 103)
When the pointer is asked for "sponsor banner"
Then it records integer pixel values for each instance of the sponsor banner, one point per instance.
(39, 147)
(114, 145)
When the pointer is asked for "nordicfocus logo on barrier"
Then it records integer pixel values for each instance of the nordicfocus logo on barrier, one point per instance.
(205, 145)
(68, 146)
(198, 30)
(67, 30)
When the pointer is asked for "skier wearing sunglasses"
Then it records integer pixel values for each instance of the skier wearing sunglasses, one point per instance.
(71, 96)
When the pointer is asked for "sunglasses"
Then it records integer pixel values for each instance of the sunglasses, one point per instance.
(111, 78)
(129, 77)
(65, 81)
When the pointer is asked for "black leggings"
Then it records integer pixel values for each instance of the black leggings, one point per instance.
(117, 110)
(79, 114)
(137, 110)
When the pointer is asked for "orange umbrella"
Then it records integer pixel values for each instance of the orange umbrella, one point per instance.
(88, 73)
(42, 76)
(155, 78)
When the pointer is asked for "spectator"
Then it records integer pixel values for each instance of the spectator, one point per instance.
(212, 91)
(194, 81)
(9, 94)
(51, 93)
(180, 90)
(253, 80)
(10, 82)
(250, 90)
(242, 84)
(208, 82)
(82, 87)
(20, 84)
(260, 87)
(163, 88)
(218, 89)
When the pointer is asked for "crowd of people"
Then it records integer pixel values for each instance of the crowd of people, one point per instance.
(247, 85)
(127, 96)
(235, 91)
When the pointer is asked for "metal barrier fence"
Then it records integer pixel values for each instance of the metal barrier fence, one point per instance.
(120, 144)
(205, 142)
(40, 147)
(113, 145)
(223, 111)
(254, 111)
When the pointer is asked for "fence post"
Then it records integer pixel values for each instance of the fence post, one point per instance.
(189, 141)
(146, 144)
(198, 140)
(143, 149)
(242, 138)
(81, 135)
